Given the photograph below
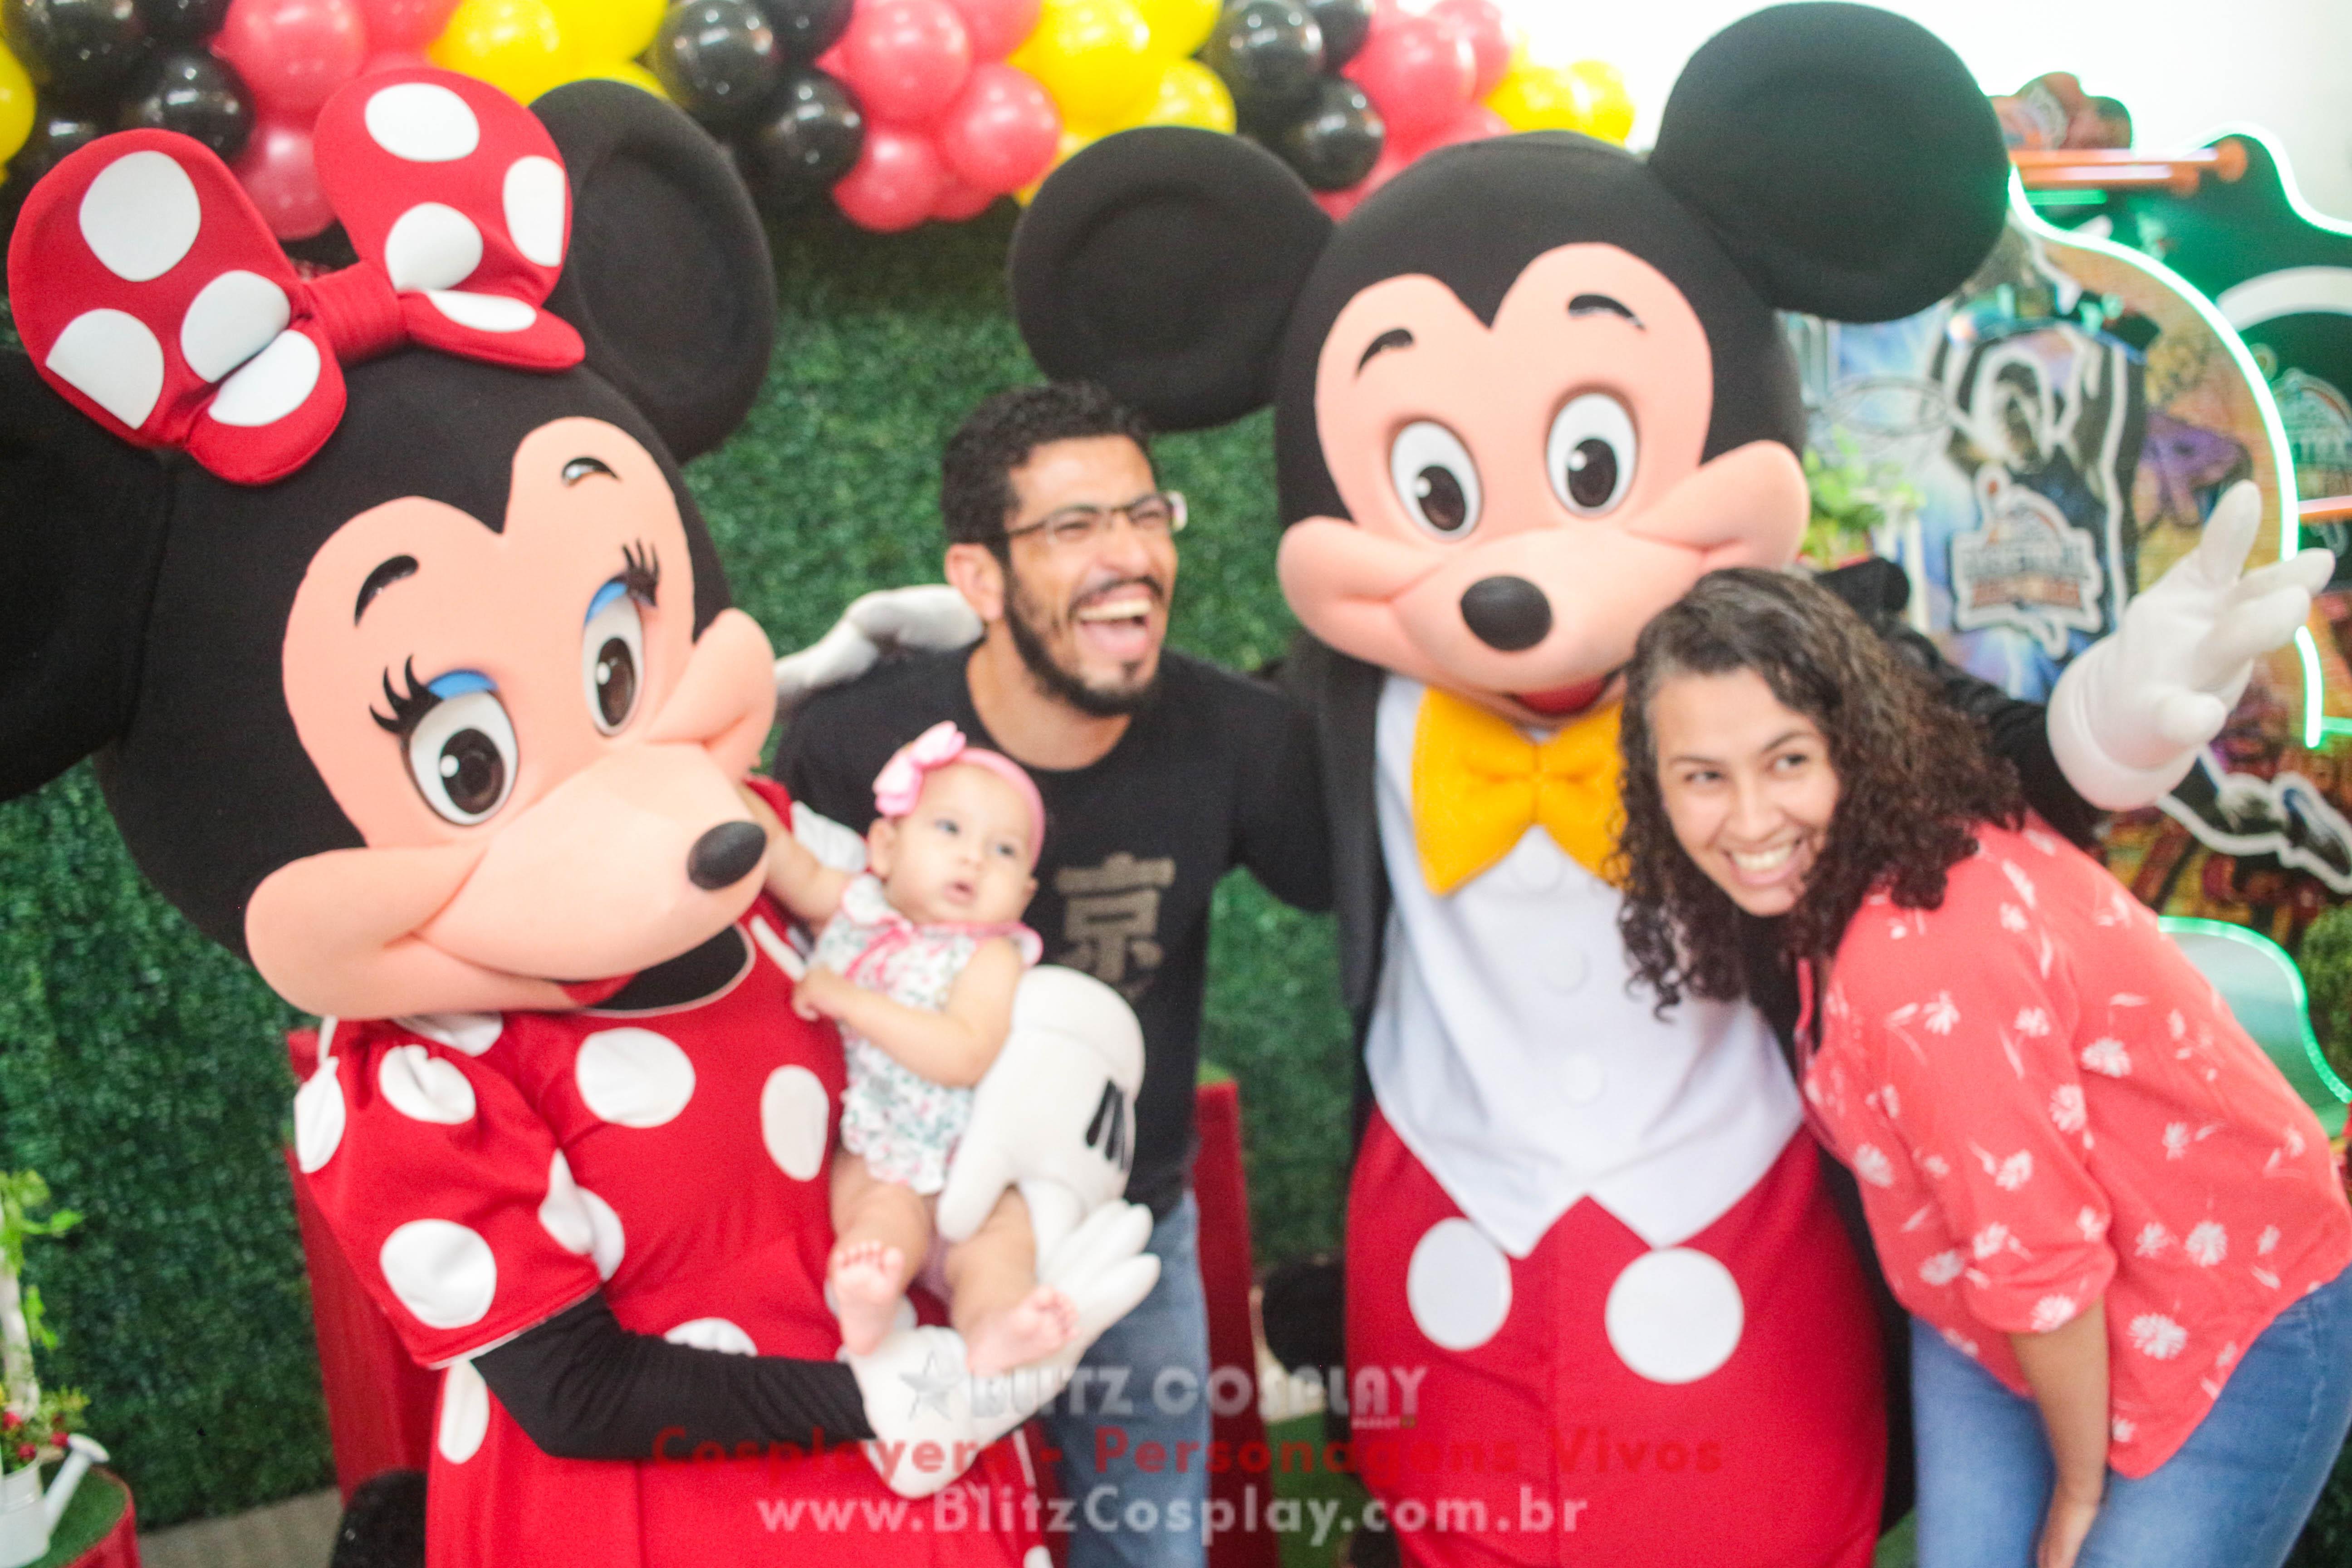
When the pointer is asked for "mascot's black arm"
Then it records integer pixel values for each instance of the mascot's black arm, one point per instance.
(582, 1387)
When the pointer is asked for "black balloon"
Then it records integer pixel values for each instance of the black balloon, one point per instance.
(1270, 53)
(77, 48)
(807, 29)
(1345, 24)
(806, 138)
(57, 133)
(1338, 140)
(717, 58)
(184, 21)
(189, 91)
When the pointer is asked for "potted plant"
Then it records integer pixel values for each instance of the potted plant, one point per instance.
(36, 1426)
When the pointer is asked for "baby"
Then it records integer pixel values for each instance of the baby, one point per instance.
(918, 964)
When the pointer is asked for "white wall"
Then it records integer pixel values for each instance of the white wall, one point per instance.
(2182, 66)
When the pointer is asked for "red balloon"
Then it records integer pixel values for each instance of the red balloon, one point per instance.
(405, 24)
(277, 172)
(394, 60)
(1481, 22)
(997, 27)
(1475, 123)
(1419, 71)
(1002, 132)
(293, 53)
(895, 182)
(906, 60)
(960, 203)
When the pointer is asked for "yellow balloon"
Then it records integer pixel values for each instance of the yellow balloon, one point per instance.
(1189, 93)
(1073, 143)
(513, 44)
(629, 71)
(1094, 55)
(1609, 108)
(16, 105)
(1588, 96)
(607, 29)
(1179, 26)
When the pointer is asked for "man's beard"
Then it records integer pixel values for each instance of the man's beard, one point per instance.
(1060, 684)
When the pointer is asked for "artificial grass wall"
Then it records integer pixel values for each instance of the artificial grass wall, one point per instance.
(141, 1069)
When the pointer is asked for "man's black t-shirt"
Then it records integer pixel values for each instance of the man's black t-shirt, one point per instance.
(1220, 771)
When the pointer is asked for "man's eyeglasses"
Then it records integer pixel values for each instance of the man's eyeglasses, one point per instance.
(1159, 515)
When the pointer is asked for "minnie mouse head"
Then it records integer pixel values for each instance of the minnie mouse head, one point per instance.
(1533, 387)
(443, 713)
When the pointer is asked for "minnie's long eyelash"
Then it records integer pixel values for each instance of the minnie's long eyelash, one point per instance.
(409, 707)
(640, 571)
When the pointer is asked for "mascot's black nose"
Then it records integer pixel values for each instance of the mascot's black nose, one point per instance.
(725, 856)
(1507, 612)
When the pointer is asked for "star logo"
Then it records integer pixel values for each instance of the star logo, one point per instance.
(933, 1384)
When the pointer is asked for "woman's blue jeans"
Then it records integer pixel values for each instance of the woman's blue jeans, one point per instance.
(2234, 1496)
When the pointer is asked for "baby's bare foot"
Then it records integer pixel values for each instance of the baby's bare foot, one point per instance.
(1030, 1329)
(866, 1291)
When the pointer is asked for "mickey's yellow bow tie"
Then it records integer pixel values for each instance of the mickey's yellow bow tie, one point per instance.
(1478, 784)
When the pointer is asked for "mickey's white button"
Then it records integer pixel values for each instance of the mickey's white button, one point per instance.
(1675, 1315)
(1458, 1286)
(465, 1412)
(634, 1077)
(1582, 1078)
(1537, 866)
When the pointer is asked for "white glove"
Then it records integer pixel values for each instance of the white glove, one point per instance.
(931, 1419)
(1055, 1113)
(2130, 714)
(930, 615)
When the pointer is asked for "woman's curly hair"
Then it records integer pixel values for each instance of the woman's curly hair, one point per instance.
(1914, 776)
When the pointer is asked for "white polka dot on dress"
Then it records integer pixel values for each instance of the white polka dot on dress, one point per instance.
(1458, 1286)
(110, 358)
(422, 123)
(431, 246)
(465, 1412)
(271, 385)
(236, 316)
(713, 1334)
(472, 1033)
(633, 1078)
(1675, 1315)
(562, 1214)
(793, 1111)
(141, 215)
(443, 1272)
(534, 195)
(425, 1087)
(319, 1118)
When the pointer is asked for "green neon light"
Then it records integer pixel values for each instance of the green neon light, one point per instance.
(2296, 200)
(2265, 406)
(2279, 957)
(2076, 198)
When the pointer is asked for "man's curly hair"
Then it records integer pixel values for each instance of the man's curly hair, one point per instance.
(1914, 777)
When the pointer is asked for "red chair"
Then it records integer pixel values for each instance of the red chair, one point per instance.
(380, 1403)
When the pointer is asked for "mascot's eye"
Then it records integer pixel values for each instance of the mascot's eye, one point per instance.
(462, 755)
(1590, 454)
(612, 657)
(1435, 478)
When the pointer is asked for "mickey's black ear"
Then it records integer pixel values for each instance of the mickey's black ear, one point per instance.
(82, 531)
(669, 277)
(1162, 263)
(1844, 154)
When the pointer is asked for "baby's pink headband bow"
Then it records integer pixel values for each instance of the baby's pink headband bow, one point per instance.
(899, 784)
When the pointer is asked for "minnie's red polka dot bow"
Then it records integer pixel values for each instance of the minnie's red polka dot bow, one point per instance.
(149, 292)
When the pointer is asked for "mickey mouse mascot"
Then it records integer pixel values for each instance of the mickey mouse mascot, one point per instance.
(412, 678)
(1524, 398)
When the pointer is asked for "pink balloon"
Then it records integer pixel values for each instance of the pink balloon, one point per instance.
(393, 61)
(1002, 132)
(277, 174)
(293, 54)
(897, 181)
(1419, 71)
(960, 203)
(405, 24)
(906, 60)
(1481, 22)
(1475, 123)
(997, 27)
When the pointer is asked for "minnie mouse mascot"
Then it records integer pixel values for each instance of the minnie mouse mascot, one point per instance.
(1524, 396)
(412, 678)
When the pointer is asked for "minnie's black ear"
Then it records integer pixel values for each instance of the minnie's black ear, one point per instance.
(1845, 155)
(81, 530)
(669, 277)
(1162, 263)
